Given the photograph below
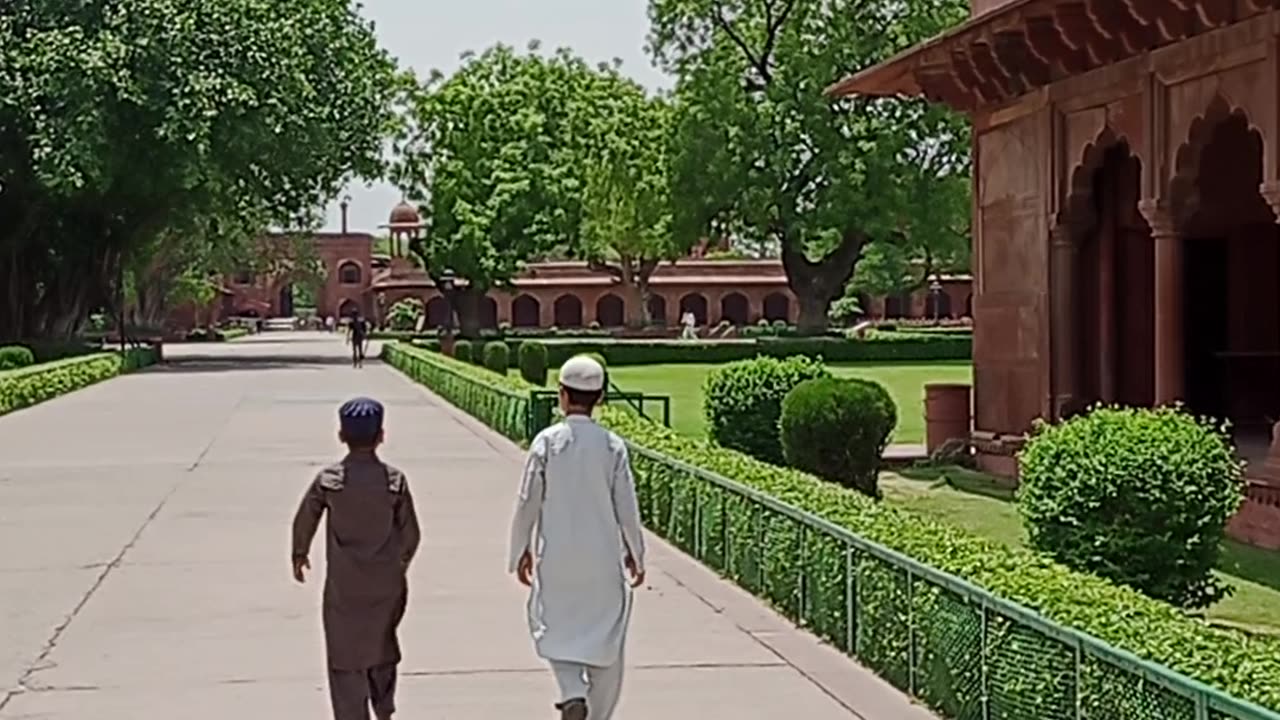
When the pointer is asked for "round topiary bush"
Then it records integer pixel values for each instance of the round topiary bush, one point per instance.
(463, 350)
(533, 361)
(15, 356)
(837, 429)
(497, 357)
(1137, 496)
(744, 402)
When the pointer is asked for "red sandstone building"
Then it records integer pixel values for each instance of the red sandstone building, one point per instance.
(560, 294)
(1127, 188)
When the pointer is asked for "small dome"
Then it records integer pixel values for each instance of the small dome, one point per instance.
(405, 214)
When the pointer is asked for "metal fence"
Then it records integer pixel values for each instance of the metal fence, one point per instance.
(961, 650)
(543, 404)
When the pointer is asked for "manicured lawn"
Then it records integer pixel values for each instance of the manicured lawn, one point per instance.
(977, 503)
(683, 383)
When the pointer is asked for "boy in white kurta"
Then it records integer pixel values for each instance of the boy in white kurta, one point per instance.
(575, 538)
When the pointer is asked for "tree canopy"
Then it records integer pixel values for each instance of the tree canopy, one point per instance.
(519, 155)
(764, 155)
(154, 125)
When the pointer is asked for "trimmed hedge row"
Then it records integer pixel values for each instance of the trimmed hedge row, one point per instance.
(15, 356)
(1243, 666)
(34, 384)
(499, 401)
(878, 347)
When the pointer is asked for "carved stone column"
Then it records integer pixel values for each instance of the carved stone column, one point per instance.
(1062, 312)
(1170, 350)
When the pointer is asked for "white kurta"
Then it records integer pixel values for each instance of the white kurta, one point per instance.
(577, 512)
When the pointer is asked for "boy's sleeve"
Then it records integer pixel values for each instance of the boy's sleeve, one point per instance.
(625, 506)
(307, 519)
(529, 503)
(406, 519)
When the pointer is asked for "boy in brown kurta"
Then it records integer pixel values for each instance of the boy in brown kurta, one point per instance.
(371, 537)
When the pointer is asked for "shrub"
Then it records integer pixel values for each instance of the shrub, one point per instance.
(497, 357)
(463, 350)
(837, 429)
(533, 362)
(15, 356)
(403, 316)
(1242, 665)
(1137, 496)
(33, 384)
(744, 401)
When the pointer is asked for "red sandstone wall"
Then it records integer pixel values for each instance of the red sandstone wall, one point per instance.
(1258, 521)
(979, 7)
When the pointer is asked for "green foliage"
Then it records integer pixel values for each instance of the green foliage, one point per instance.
(533, 360)
(15, 356)
(497, 356)
(846, 311)
(763, 155)
(499, 401)
(1137, 496)
(244, 114)
(34, 384)
(838, 429)
(744, 402)
(1030, 672)
(464, 351)
(404, 315)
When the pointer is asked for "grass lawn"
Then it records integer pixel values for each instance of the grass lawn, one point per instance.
(683, 383)
(977, 503)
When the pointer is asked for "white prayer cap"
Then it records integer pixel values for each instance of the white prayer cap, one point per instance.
(582, 373)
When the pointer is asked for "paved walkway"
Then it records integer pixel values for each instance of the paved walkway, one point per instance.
(144, 572)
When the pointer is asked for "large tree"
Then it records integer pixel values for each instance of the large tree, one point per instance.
(126, 127)
(626, 202)
(765, 155)
(494, 156)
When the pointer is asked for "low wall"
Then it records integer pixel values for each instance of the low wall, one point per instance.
(1258, 520)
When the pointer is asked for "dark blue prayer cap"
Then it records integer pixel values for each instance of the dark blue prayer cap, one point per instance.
(360, 418)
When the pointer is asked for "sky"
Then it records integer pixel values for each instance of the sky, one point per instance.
(429, 34)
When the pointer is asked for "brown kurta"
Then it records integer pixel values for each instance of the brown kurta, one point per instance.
(371, 536)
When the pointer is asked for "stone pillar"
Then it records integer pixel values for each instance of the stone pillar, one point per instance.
(1064, 343)
(1170, 348)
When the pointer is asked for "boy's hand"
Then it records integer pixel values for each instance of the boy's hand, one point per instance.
(524, 570)
(637, 576)
(300, 566)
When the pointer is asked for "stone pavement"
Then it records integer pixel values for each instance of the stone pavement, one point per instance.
(144, 563)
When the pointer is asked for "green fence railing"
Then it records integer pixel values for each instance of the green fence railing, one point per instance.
(543, 403)
(958, 648)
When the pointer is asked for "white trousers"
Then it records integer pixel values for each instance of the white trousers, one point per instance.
(601, 686)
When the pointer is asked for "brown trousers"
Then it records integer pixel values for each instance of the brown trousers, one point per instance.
(353, 691)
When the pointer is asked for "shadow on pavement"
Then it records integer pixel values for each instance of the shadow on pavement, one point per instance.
(194, 365)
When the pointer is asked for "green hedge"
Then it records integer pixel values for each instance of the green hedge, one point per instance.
(1243, 666)
(13, 357)
(35, 384)
(879, 347)
(499, 401)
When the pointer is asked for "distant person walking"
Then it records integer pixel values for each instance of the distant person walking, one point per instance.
(690, 323)
(359, 334)
(329, 323)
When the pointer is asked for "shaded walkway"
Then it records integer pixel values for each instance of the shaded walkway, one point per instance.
(144, 563)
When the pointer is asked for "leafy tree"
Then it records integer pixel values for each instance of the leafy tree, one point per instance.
(766, 156)
(129, 129)
(626, 203)
(490, 153)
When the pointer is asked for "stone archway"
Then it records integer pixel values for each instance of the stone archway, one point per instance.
(437, 312)
(695, 303)
(349, 308)
(349, 273)
(611, 311)
(777, 306)
(968, 306)
(735, 309)
(657, 310)
(937, 305)
(1226, 301)
(526, 312)
(488, 313)
(894, 307)
(567, 311)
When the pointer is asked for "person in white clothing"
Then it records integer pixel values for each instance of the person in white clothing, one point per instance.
(576, 542)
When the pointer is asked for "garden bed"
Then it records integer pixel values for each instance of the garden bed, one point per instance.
(34, 384)
(964, 623)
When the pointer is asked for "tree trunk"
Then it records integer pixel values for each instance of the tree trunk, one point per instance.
(466, 305)
(817, 284)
